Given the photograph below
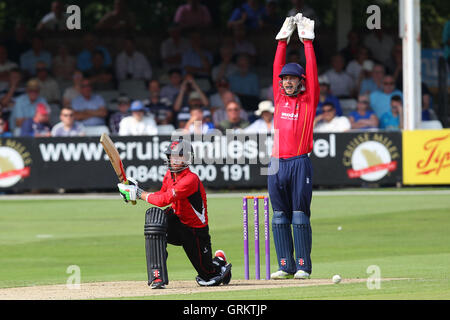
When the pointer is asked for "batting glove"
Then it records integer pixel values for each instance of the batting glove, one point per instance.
(127, 191)
(286, 30)
(305, 28)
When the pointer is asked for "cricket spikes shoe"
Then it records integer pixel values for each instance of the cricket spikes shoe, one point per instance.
(158, 284)
(220, 254)
(280, 275)
(300, 274)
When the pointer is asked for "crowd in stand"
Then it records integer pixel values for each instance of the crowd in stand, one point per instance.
(65, 93)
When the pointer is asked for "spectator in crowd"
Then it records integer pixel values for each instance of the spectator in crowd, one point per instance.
(37, 53)
(55, 20)
(226, 67)
(25, 105)
(73, 91)
(49, 87)
(192, 15)
(249, 14)
(13, 90)
(350, 52)
(307, 11)
(101, 77)
(84, 58)
(132, 64)
(68, 127)
(119, 19)
(265, 123)
(362, 118)
(380, 100)
(196, 123)
(393, 118)
(64, 64)
(428, 113)
(18, 43)
(172, 48)
(241, 44)
(159, 106)
(185, 99)
(5, 67)
(89, 108)
(356, 66)
(197, 61)
(270, 19)
(171, 90)
(341, 83)
(219, 102)
(195, 100)
(234, 121)
(38, 126)
(372, 78)
(123, 106)
(326, 96)
(138, 123)
(244, 82)
(328, 121)
(380, 45)
(4, 133)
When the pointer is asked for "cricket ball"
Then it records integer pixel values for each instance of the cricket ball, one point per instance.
(336, 278)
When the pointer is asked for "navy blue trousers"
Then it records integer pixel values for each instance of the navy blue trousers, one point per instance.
(290, 192)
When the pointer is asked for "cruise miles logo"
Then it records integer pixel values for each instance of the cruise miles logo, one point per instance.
(15, 163)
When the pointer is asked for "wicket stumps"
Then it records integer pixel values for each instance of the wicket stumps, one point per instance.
(256, 228)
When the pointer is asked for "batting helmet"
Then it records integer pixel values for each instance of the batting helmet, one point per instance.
(183, 149)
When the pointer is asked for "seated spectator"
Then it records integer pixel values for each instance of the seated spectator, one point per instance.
(195, 100)
(380, 101)
(379, 44)
(341, 83)
(234, 121)
(197, 61)
(241, 45)
(37, 53)
(326, 97)
(119, 19)
(196, 123)
(6, 66)
(171, 90)
(132, 64)
(248, 14)
(89, 108)
(74, 91)
(63, 64)
(100, 77)
(123, 111)
(68, 127)
(138, 123)
(55, 20)
(244, 82)
(217, 100)
(158, 106)
(38, 126)
(270, 19)
(362, 118)
(226, 67)
(372, 79)
(49, 87)
(428, 113)
(13, 90)
(393, 118)
(172, 48)
(265, 123)
(328, 121)
(192, 15)
(84, 58)
(355, 67)
(4, 133)
(25, 105)
(350, 52)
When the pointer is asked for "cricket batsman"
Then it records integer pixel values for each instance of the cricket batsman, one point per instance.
(296, 94)
(184, 223)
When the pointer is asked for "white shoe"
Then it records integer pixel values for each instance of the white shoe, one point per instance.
(280, 274)
(300, 274)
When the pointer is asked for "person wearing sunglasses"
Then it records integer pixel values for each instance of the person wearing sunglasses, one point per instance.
(380, 100)
(68, 127)
(328, 121)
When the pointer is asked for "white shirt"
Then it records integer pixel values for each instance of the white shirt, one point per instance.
(204, 128)
(137, 65)
(338, 124)
(354, 70)
(341, 84)
(129, 126)
(259, 126)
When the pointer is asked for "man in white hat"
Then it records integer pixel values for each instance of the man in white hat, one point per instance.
(265, 123)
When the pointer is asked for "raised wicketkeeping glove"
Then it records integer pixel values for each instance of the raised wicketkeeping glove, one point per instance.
(305, 28)
(286, 30)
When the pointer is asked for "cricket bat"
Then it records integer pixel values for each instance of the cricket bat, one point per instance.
(114, 158)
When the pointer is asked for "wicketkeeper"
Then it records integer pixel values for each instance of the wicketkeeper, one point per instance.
(296, 94)
(184, 223)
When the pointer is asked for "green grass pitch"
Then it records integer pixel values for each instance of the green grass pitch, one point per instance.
(405, 235)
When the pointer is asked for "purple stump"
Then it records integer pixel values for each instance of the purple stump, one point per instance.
(267, 236)
(245, 218)
(256, 222)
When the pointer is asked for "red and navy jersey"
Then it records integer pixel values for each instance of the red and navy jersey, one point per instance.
(294, 115)
(186, 193)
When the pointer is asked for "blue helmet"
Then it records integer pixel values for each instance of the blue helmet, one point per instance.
(292, 69)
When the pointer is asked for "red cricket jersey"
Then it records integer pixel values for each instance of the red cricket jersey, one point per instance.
(294, 116)
(187, 195)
